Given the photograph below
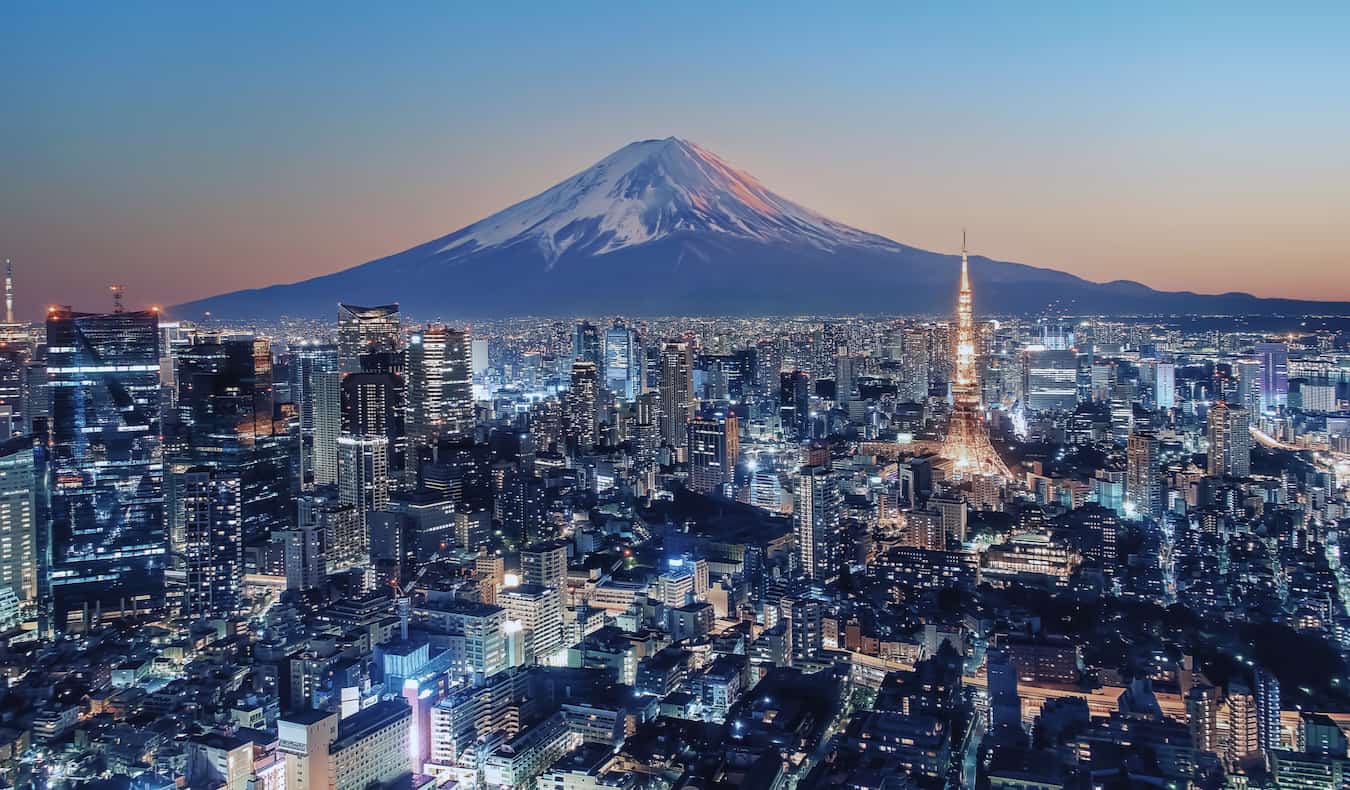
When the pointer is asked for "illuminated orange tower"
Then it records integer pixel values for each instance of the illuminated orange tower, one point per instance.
(967, 444)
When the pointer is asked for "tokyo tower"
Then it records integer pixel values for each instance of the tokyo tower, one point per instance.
(967, 445)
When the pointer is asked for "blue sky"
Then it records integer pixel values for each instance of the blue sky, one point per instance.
(186, 149)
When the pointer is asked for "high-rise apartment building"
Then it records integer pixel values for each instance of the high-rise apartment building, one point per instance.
(316, 392)
(579, 413)
(1230, 441)
(1143, 475)
(207, 506)
(363, 475)
(677, 392)
(816, 518)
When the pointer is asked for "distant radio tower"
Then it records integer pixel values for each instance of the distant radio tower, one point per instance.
(9, 292)
(117, 297)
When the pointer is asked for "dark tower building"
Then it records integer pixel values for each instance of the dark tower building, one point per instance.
(362, 330)
(108, 540)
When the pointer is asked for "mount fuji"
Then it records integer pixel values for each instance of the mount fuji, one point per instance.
(665, 227)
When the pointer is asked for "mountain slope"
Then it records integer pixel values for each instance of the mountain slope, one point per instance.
(667, 227)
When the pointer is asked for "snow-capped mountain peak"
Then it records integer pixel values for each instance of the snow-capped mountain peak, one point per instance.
(646, 191)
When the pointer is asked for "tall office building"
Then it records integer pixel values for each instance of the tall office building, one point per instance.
(1230, 441)
(372, 405)
(1274, 359)
(440, 383)
(1165, 385)
(207, 507)
(816, 520)
(586, 346)
(224, 419)
(363, 330)
(677, 392)
(1051, 382)
(623, 363)
(108, 540)
(23, 554)
(1248, 374)
(846, 369)
(714, 446)
(315, 389)
(794, 405)
(1143, 475)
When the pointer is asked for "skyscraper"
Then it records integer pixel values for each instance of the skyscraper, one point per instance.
(22, 557)
(1248, 373)
(1230, 441)
(967, 445)
(363, 475)
(1143, 475)
(794, 405)
(207, 505)
(1165, 385)
(845, 376)
(372, 405)
(1051, 379)
(223, 444)
(579, 413)
(108, 539)
(362, 330)
(586, 345)
(440, 383)
(1274, 359)
(714, 442)
(816, 519)
(623, 363)
(677, 392)
(317, 396)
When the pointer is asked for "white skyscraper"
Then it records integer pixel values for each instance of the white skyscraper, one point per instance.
(18, 505)
(1165, 387)
(363, 474)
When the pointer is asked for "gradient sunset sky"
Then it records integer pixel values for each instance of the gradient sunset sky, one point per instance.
(185, 149)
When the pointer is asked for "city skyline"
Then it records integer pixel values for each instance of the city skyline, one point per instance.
(184, 159)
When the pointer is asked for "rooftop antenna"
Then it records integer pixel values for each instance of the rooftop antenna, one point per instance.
(117, 297)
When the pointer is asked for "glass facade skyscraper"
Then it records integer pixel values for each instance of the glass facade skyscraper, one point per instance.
(623, 363)
(108, 537)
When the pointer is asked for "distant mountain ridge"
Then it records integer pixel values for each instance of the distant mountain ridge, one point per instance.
(665, 227)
